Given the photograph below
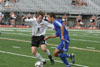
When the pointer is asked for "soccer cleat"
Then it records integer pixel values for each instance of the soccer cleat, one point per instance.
(44, 62)
(72, 58)
(51, 59)
(68, 66)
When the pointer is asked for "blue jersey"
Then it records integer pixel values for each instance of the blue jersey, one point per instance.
(57, 25)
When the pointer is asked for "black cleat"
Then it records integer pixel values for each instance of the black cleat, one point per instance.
(72, 58)
(44, 62)
(51, 59)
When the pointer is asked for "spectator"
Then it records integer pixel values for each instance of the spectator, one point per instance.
(76, 2)
(7, 4)
(79, 21)
(73, 2)
(1, 17)
(29, 16)
(84, 3)
(13, 1)
(93, 21)
(64, 19)
(12, 19)
(34, 15)
(1, 1)
(79, 3)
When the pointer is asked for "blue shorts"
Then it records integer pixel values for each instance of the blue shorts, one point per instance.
(63, 46)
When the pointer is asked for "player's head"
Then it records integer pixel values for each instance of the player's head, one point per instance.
(51, 17)
(40, 16)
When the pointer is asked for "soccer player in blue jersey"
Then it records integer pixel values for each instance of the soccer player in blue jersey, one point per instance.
(62, 33)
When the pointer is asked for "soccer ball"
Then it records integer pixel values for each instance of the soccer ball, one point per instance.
(39, 64)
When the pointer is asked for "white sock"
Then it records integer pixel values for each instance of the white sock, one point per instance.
(39, 56)
(48, 52)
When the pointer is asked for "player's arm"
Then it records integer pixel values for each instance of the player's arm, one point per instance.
(23, 18)
(49, 25)
(62, 32)
(29, 20)
(51, 36)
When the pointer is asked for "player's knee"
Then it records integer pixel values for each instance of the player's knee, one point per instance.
(55, 54)
(44, 50)
(34, 53)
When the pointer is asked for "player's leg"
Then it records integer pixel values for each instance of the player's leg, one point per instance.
(35, 45)
(60, 53)
(43, 47)
(63, 46)
(57, 53)
(65, 49)
(37, 55)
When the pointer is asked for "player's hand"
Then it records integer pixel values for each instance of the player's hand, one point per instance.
(62, 38)
(46, 37)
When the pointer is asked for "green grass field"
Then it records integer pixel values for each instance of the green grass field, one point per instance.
(15, 48)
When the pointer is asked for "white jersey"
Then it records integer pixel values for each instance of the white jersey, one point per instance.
(38, 29)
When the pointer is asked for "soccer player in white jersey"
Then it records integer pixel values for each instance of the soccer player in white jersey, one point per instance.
(39, 27)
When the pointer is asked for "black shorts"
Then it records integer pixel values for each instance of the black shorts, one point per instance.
(37, 40)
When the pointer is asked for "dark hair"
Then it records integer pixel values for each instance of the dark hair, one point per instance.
(52, 15)
(40, 13)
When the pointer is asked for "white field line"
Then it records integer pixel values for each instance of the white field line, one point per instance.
(83, 35)
(49, 33)
(15, 47)
(92, 50)
(24, 30)
(51, 29)
(5, 52)
(15, 28)
(18, 34)
(84, 30)
(71, 39)
(86, 40)
(90, 47)
(94, 31)
(53, 45)
(15, 40)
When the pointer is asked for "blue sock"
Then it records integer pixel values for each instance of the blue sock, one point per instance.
(64, 60)
(64, 55)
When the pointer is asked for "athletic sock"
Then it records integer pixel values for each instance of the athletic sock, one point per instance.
(48, 52)
(63, 58)
(39, 56)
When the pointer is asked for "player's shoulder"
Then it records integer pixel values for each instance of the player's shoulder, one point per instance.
(58, 21)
